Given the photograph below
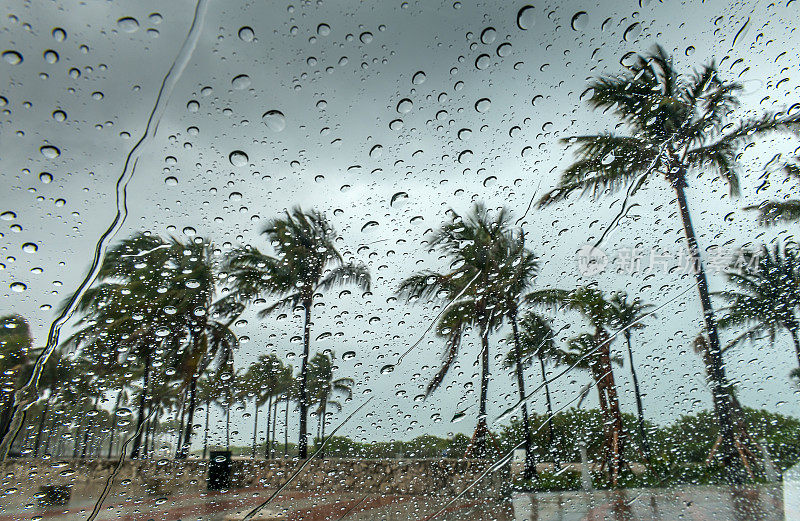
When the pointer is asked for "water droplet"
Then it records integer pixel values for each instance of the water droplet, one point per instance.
(275, 120)
(246, 34)
(18, 287)
(404, 106)
(74, 73)
(376, 152)
(171, 181)
(3, 101)
(349, 355)
(323, 29)
(369, 224)
(238, 158)
(189, 231)
(608, 159)
(155, 18)
(50, 152)
(632, 32)
(97, 95)
(504, 49)
(482, 61)
(741, 32)
(464, 134)
(457, 417)
(418, 78)
(46, 177)
(12, 57)
(59, 34)
(526, 17)
(30, 247)
(396, 124)
(398, 199)
(579, 21)
(483, 104)
(488, 35)
(59, 115)
(162, 332)
(8, 216)
(241, 82)
(123, 412)
(50, 56)
(365, 37)
(128, 24)
(387, 369)
(465, 156)
(193, 106)
(690, 50)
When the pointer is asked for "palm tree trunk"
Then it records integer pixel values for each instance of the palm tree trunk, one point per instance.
(42, 418)
(273, 446)
(616, 439)
(286, 430)
(205, 436)
(179, 446)
(137, 440)
(530, 462)
(796, 341)
(154, 433)
(114, 423)
(228, 418)
(481, 430)
(550, 428)
(269, 412)
(187, 438)
(720, 387)
(322, 434)
(255, 429)
(639, 408)
(89, 424)
(302, 445)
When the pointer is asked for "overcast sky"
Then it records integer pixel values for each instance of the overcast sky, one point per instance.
(480, 123)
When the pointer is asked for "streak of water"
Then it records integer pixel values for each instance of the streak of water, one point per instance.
(26, 395)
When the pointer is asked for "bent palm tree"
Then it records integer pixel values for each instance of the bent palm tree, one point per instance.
(767, 294)
(626, 316)
(324, 387)
(307, 263)
(476, 245)
(678, 125)
(536, 340)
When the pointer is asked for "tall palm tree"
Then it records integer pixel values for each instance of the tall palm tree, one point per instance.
(325, 387)
(627, 315)
(306, 264)
(476, 246)
(595, 350)
(518, 269)
(678, 125)
(767, 294)
(262, 382)
(536, 340)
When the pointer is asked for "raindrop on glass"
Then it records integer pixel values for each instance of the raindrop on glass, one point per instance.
(246, 34)
(238, 158)
(526, 17)
(128, 24)
(275, 120)
(50, 152)
(12, 57)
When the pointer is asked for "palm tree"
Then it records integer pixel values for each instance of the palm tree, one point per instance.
(767, 294)
(678, 125)
(324, 387)
(476, 246)
(15, 343)
(596, 348)
(307, 263)
(536, 340)
(626, 316)
(787, 210)
(262, 382)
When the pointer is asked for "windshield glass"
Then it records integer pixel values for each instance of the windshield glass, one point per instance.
(399, 260)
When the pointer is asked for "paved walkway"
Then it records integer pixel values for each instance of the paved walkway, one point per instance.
(689, 503)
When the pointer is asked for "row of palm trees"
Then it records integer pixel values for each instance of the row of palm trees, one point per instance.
(166, 303)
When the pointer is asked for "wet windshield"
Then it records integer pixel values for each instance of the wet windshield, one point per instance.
(399, 260)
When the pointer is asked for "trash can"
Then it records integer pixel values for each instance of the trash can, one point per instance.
(219, 470)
